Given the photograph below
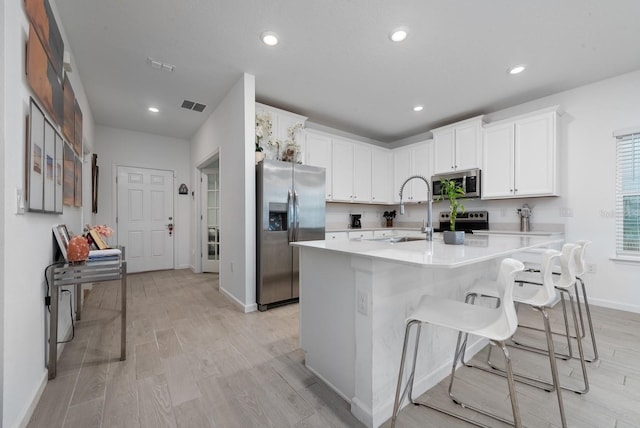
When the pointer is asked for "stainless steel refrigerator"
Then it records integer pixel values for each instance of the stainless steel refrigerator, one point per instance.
(290, 202)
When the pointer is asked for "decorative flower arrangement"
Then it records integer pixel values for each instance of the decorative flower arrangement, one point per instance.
(102, 230)
(264, 135)
(389, 215)
(292, 148)
(264, 128)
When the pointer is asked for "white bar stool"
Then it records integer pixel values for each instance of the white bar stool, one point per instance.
(580, 271)
(563, 282)
(539, 298)
(495, 324)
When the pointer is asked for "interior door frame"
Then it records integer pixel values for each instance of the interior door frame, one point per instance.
(198, 221)
(204, 188)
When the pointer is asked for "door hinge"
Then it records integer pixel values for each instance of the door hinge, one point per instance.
(116, 219)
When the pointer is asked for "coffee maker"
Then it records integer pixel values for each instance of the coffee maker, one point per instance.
(355, 221)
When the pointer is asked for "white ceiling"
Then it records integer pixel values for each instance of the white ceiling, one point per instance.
(335, 62)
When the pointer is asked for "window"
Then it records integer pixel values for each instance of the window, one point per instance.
(628, 194)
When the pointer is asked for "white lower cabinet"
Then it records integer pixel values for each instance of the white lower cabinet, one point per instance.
(520, 157)
(361, 234)
(336, 236)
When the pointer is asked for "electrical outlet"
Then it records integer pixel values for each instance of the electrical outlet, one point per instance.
(566, 212)
(591, 268)
(363, 302)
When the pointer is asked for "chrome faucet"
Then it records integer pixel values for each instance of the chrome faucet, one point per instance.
(428, 228)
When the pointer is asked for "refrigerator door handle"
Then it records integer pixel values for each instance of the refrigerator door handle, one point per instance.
(290, 216)
(296, 210)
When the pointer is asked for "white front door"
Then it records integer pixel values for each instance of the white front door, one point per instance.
(210, 179)
(145, 217)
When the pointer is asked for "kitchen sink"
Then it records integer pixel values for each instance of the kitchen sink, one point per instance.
(396, 239)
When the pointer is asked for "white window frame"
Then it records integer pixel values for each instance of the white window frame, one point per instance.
(628, 192)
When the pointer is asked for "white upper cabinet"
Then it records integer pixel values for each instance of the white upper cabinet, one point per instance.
(458, 146)
(415, 159)
(381, 175)
(318, 153)
(351, 170)
(520, 156)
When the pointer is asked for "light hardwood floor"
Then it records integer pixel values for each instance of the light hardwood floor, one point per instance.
(193, 360)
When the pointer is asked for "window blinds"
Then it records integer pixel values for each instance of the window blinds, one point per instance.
(628, 195)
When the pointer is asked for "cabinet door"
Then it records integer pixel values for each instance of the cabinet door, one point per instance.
(420, 165)
(535, 156)
(468, 152)
(381, 176)
(342, 170)
(401, 171)
(443, 151)
(361, 174)
(318, 153)
(497, 175)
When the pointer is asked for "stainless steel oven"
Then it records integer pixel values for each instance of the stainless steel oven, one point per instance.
(469, 180)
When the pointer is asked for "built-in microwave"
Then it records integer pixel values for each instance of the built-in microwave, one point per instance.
(469, 180)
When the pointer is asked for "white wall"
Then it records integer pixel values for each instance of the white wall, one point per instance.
(120, 147)
(27, 239)
(2, 200)
(230, 132)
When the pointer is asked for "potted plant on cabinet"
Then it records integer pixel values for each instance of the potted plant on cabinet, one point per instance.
(452, 191)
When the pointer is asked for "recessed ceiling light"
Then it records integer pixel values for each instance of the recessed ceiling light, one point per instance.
(517, 69)
(154, 109)
(399, 34)
(418, 108)
(269, 38)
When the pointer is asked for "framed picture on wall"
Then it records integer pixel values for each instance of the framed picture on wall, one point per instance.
(35, 158)
(68, 175)
(48, 172)
(57, 173)
(77, 194)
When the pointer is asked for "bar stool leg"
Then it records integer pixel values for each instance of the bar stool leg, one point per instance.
(397, 404)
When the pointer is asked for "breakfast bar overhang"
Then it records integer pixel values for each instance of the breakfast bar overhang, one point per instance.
(356, 295)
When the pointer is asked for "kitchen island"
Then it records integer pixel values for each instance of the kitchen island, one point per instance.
(356, 295)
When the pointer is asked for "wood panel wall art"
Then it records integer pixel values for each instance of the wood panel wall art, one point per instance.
(42, 78)
(44, 23)
(77, 140)
(68, 127)
(77, 194)
(69, 175)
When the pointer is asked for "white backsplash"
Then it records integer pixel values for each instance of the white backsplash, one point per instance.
(547, 214)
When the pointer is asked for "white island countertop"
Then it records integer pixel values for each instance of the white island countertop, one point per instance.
(436, 254)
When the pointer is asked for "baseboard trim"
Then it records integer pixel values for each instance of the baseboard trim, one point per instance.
(614, 305)
(28, 411)
(244, 308)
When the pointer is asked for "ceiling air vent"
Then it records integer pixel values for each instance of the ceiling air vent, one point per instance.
(191, 105)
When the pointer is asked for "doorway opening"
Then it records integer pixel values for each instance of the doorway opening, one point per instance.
(210, 215)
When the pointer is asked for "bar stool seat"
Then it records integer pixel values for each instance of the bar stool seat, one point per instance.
(495, 324)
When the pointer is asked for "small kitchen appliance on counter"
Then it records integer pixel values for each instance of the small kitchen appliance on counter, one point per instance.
(524, 213)
(355, 221)
(467, 221)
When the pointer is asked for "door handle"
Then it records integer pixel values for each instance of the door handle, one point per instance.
(170, 227)
(290, 215)
(296, 208)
